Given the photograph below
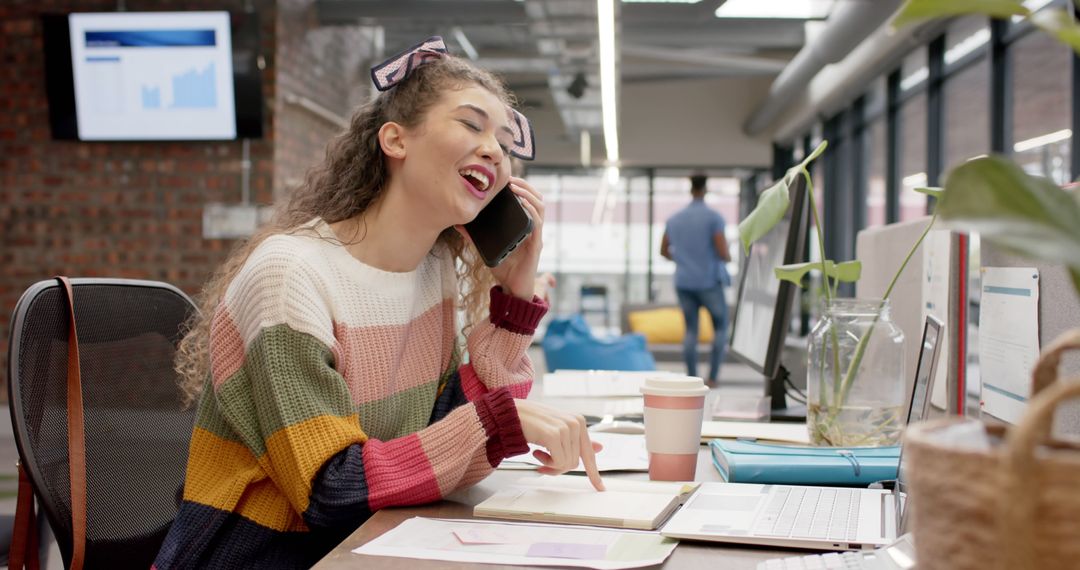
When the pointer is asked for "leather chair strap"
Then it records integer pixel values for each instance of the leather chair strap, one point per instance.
(23, 554)
(76, 438)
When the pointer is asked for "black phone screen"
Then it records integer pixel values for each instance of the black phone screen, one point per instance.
(499, 227)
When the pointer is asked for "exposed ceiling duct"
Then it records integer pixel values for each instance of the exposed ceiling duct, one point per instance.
(548, 51)
(838, 85)
(850, 22)
(567, 36)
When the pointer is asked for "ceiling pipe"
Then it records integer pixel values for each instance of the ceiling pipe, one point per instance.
(840, 84)
(728, 61)
(850, 22)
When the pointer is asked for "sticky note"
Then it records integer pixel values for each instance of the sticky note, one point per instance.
(483, 536)
(567, 550)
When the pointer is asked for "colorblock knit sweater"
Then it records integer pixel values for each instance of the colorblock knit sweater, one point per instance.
(337, 389)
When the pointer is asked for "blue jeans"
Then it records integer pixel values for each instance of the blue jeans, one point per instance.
(714, 302)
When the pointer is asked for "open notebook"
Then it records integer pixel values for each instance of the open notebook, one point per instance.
(572, 500)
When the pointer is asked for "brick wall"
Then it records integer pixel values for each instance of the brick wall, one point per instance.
(135, 209)
(325, 66)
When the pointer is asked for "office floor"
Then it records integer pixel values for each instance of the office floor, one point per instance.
(9, 480)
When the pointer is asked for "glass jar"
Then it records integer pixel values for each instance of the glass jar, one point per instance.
(855, 375)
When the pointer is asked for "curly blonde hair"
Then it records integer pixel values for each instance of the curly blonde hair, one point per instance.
(350, 179)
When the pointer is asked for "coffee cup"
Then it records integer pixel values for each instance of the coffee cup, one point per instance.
(674, 409)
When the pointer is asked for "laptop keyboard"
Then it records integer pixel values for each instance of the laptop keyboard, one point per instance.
(798, 512)
(830, 561)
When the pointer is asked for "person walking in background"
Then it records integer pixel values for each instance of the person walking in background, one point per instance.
(694, 240)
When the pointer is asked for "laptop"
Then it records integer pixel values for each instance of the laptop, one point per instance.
(822, 518)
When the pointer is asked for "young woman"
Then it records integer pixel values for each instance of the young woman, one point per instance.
(327, 354)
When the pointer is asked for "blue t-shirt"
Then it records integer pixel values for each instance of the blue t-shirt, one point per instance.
(690, 234)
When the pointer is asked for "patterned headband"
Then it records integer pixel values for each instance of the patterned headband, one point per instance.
(394, 70)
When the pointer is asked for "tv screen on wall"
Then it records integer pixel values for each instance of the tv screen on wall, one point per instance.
(145, 76)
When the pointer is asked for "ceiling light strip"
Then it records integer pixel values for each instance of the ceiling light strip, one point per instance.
(464, 42)
(1043, 140)
(605, 15)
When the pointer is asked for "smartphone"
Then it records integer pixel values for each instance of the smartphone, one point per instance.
(499, 227)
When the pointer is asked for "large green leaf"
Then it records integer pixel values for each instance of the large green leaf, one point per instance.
(773, 203)
(798, 168)
(849, 271)
(1029, 215)
(1059, 23)
(917, 10)
(935, 192)
(769, 211)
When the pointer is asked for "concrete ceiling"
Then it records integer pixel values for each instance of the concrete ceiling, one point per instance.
(539, 46)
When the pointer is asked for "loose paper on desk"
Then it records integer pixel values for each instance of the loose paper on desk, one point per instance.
(935, 294)
(486, 542)
(783, 432)
(622, 452)
(1008, 339)
(596, 383)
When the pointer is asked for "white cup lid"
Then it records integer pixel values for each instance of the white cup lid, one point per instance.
(674, 385)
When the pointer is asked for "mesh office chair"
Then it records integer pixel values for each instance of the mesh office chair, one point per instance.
(136, 433)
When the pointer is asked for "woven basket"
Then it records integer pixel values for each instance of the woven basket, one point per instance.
(1015, 507)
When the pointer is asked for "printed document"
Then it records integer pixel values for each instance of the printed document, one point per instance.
(777, 431)
(486, 542)
(597, 383)
(622, 452)
(1008, 339)
(935, 294)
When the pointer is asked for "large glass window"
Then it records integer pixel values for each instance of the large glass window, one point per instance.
(1041, 71)
(875, 186)
(638, 245)
(875, 147)
(913, 71)
(596, 234)
(967, 114)
(913, 157)
(966, 38)
(583, 245)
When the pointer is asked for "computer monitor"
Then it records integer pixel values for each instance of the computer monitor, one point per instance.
(763, 302)
(920, 403)
(153, 76)
(925, 369)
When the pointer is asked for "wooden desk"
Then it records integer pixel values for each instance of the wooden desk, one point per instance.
(711, 555)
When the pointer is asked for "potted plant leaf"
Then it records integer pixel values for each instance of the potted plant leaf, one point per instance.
(855, 372)
(993, 196)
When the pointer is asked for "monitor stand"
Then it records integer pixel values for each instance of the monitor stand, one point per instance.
(780, 410)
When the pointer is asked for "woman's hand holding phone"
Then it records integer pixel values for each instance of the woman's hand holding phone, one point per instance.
(517, 273)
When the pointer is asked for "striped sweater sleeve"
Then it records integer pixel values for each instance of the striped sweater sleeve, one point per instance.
(497, 357)
(277, 387)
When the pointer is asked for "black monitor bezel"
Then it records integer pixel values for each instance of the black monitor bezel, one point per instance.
(248, 100)
(797, 216)
(901, 490)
